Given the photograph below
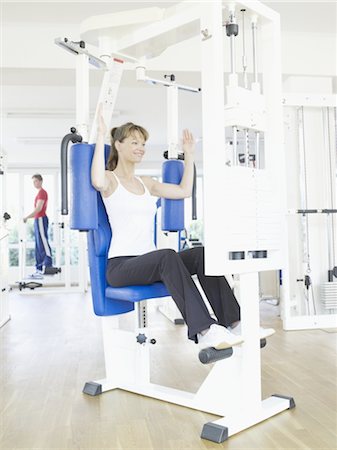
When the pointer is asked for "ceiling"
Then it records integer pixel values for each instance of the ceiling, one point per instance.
(296, 16)
(310, 16)
(34, 90)
(68, 12)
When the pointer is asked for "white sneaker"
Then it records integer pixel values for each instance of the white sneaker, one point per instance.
(36, 275)
(218, 337)
(264, 332)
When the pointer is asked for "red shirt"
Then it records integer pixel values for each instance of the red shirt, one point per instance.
(41, 195)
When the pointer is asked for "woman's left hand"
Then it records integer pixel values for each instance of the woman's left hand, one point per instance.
(188, 143)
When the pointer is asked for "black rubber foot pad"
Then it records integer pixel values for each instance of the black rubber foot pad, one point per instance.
(92, 388)
(215, 433)
(292, 403)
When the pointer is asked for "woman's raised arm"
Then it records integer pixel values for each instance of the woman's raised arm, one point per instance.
(99, 177)
(184, 189)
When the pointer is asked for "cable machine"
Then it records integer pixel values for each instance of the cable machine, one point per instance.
(312, 209)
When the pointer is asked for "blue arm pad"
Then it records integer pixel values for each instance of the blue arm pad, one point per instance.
(172, 211)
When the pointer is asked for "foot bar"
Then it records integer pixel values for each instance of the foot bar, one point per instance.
(210, 354)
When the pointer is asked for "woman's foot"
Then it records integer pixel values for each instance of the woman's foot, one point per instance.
(264, 332)
(218, 337)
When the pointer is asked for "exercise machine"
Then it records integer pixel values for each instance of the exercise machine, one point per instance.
(250, 216)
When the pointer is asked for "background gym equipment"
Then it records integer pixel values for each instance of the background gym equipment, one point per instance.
(310, 136)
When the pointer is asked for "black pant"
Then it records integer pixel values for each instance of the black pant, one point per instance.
(175, 270)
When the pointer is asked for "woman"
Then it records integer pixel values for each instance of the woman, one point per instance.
(130, 203)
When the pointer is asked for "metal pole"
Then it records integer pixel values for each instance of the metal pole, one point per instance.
(232, 43)
(232, 30)
(244, 58)
(66, 242)
(172, 121)
(257, 150)
(254, 33)
(235, 150)
(246, 147)
(331, 183)
(304, 199)
(82, 96)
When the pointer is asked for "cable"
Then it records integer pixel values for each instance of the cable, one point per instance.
(331, 184)
(313, 300)
(244, 59)
(305, 217)
(306, 296)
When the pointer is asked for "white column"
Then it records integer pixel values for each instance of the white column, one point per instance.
(172, 121)
(213, 130)
(82, 96)
(251, 359)
(108, 93)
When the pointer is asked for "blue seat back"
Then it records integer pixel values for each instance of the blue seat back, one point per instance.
(107, 300)
(98, 246)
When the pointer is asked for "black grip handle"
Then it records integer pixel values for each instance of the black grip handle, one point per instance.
(71, 137)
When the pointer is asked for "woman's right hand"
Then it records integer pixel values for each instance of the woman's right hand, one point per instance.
(188, 143)
(101, 126)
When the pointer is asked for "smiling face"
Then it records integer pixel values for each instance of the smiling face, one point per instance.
(127, 144)
(132, 149)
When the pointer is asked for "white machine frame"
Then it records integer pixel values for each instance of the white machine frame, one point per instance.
(233, 387)
(172, 239)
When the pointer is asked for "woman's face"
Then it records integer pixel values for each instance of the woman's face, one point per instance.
(132, 148)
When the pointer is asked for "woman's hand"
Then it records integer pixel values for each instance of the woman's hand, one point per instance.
(188, 143)
(184, 189)
(101, 126)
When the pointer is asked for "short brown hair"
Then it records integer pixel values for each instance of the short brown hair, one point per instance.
(38, 177)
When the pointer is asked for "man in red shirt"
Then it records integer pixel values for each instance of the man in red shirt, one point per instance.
(42, 247)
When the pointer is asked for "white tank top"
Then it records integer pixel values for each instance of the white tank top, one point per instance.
(131, 218)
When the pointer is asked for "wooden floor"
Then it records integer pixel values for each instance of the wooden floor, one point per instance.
(53, 345)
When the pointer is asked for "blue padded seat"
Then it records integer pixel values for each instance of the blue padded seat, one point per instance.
(136, 293)
(108, 300)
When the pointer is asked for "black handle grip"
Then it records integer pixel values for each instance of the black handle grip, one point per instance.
(71, 137)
